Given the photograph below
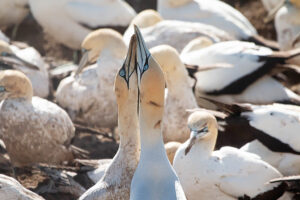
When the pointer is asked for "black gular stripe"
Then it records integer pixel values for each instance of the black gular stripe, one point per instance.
(239, 85)
(273, 194)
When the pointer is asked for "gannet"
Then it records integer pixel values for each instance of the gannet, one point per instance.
(33, 129)
(87, 96)
(12, 12)
(215, 13)
(28, 61)
(271, 130)
(171, 148)
(228, 173)
(154, 177)
(239, 73)
(12, 189)
(175, 33)
(180, 96)
(72, 20)
(115, 183)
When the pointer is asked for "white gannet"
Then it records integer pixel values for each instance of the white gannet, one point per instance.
(180, 96)
(115, 183)
(72, 20)
(88, 95)
(12, 12)
(271, 130)
(228, 173)
(154, 177)
(176, 33)
(239, 73)
(33, 129)
(215, 13)
(12, 189)
(30, 62)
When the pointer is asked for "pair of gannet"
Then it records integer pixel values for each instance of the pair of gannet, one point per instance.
(287, 24)
(11, 189)
(228, 173)
(33, 129)
(12, 12)
(236, 71)
(177, 34)
(88, 94)
(72, 20)
(273, 128)
(139, 88)
(29, 61)
(215, 13)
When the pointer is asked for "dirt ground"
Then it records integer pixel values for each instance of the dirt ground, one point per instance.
(98, 146)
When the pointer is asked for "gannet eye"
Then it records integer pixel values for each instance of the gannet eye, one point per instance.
(122, 72)
(2, 89)
(203, 130)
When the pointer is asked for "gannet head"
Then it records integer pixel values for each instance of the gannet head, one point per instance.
(146, 18)
(296, 3)
(151, 83)
(126, 88)
(98, 41)
(197, 43)
(14, 84)
(169, 60)
(203, 126)
(177, 3)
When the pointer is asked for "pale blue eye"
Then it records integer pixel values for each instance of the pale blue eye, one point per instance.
(146, 67)
(122, 72)
(2, 89)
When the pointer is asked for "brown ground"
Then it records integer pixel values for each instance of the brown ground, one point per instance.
(99, 146)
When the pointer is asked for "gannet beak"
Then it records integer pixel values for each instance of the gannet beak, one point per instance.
(194, 136)
(130, 62)
(83, 61)
(29, 65)
(143, 54)
(273, 12)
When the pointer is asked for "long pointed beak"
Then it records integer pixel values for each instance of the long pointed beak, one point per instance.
(273, 12)
(28, 64)
(83, 62)
(191, 142)
(130, 62)
(143, 54)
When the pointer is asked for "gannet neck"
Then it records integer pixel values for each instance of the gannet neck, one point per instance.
(14, 84)
(173, 3)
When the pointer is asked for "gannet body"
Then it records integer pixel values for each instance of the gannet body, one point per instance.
(180, 96)
(28, 61)
(7, 17)
(115, 183)
(33, 129)
(239, 73)
(178, 33)
(12, 189)
(228, 173)
(154, 177)
(215, 13)
(87, 96)
(80, 15)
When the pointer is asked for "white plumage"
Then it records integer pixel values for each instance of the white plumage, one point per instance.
(12, 12)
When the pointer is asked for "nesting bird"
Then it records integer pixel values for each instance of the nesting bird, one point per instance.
(175, 33)
(154, 177)
(33, 129)
(115, 183)
(236, 71)
(71, 21)
(88, 94)
(228, 173)
(29, 61)
(180, 96)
